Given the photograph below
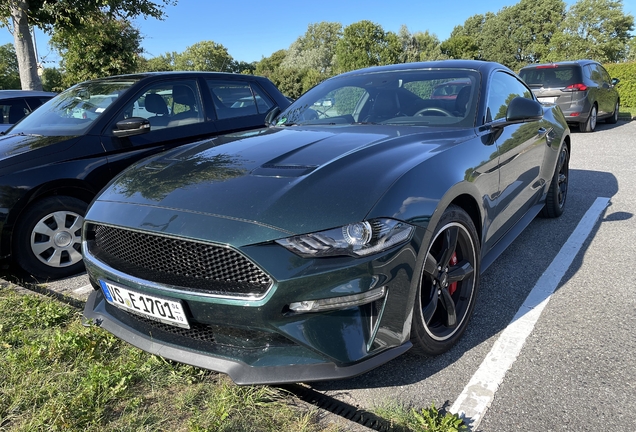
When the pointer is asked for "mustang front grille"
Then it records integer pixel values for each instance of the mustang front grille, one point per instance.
(182, 263)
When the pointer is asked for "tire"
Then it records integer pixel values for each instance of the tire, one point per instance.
(448, 284)
(614, 118)
(590, 124)
(558, 192)
(47, 241)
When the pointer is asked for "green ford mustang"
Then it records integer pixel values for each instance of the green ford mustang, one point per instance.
(352, 229)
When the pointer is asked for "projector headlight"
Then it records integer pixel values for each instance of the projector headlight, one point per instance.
(356, 239)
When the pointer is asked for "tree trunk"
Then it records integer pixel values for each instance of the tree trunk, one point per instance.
(23, 43)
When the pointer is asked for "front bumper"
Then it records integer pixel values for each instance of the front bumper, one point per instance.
(239, 371)
(260, 340)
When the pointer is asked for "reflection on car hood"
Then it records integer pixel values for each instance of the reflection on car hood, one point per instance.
(15, 144)
(295, 180)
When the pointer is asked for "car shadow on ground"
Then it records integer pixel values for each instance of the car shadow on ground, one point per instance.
(504, 286)
(601, 126)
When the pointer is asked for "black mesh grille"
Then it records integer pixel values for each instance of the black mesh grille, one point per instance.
(177, 262)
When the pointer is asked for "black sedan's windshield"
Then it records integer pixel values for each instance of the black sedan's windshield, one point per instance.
(73, 111)
(433, 97)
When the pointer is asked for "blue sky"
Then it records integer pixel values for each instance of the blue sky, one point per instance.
(251, 30)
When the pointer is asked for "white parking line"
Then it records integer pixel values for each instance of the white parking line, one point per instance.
(479, 393)
(84, 289)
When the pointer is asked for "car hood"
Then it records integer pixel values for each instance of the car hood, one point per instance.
(12, 145)
(281, 181)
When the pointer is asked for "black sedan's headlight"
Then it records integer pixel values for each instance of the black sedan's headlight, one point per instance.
(356, 239)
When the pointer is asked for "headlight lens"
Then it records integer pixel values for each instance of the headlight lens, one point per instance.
(356, 239)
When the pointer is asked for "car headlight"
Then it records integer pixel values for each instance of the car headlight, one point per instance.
(356, 239)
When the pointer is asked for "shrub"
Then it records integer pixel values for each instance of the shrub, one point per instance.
(626, 72)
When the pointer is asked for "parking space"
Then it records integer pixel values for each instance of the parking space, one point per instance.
(576, 369)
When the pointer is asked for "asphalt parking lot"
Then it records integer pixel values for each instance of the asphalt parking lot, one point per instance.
(576, 369)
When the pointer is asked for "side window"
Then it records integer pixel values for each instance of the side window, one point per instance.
(604, 74)
(35, 102)
(503, 88)
(238, 99)
(596, 74)
(167, 104)
(13, 110)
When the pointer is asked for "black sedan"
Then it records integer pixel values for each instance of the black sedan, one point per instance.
(55, 161)
(338, 238)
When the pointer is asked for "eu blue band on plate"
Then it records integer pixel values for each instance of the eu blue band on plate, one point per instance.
(106, 291)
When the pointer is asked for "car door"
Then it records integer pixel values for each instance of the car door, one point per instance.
(606, 93)
(521, 149)
(176, 114)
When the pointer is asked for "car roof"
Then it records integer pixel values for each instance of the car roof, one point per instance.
(177, 74)
(479, 65)
(6, 94)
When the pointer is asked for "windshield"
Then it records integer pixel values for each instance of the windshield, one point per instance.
(73, 111)
(406, 97)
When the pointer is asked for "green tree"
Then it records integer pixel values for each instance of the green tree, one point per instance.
(102, 47)
(243, 67)
(268, 65)
(205, 56)
(53, 80)
(316, 49)
(9, 73)
(460, 47)
(56, 16)
(419, 46)
(466, 40)
(596, 29)
(161, 63)
(365, 44)
(631, 49)
(429, 46)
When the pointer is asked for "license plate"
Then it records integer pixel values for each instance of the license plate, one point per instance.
(547, 99)
(156, 308)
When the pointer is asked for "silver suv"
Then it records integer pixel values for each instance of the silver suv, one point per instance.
(582, 88)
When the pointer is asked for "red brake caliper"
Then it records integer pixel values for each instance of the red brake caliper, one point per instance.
(452, 287)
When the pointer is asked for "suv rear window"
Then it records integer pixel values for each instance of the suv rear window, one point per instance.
(551, 76)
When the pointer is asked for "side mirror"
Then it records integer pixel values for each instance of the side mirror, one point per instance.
(131, 126)
(271, 115)
(523, 110)
(615, 81)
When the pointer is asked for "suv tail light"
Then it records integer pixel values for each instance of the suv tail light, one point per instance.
(575, 87)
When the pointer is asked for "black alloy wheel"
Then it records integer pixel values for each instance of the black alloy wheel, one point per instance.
(614, 118)
(448, 284)
(558, 192)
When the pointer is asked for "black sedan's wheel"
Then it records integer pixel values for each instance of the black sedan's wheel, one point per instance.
(614, 118)
(48, 238)
(448, 284)
(590, 124)
(558, 192)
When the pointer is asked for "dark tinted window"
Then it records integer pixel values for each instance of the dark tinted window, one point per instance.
(502, 89)
(237, 99)
(598, 74)
(552, 76)
(12, 110)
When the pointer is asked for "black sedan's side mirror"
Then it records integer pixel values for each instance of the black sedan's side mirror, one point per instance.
(131, 126)
(522, 110)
